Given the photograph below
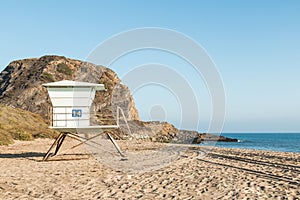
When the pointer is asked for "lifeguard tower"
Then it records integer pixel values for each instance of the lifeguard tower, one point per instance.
(71, 107)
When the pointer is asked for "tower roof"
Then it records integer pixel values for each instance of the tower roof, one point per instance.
(68, 83)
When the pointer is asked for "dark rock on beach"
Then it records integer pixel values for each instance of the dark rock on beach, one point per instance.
(211, 137)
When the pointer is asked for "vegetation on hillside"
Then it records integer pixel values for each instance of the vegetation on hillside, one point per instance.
(49, 77)
(64, 68)
(18, 124)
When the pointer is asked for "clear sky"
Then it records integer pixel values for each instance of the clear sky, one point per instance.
(254, 44)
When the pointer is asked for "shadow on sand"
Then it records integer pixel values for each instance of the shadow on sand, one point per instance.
(37, 156)
(22, 155)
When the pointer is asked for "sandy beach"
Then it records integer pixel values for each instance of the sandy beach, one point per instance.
(197, 173)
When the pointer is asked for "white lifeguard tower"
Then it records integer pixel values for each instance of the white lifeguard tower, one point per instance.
(71, 105)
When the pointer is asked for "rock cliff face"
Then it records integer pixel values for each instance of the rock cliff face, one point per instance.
(21, 87)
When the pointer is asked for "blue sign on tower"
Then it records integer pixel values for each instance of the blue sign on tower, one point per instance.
(76, 113)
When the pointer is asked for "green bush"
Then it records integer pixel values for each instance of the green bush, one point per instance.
(49, 134)
(22, 135)
(64, 68)
(48, 76)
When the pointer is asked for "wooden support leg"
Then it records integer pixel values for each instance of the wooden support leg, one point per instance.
(116, 145)
(59, 143)
(61, 137)
(54, 143)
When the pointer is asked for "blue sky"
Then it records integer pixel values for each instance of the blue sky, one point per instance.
(254, 44)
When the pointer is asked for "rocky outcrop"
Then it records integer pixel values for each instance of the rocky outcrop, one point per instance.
(211, 137)
(165, 132)
(21, 87)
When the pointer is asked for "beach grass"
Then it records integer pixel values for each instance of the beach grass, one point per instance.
(18, 124)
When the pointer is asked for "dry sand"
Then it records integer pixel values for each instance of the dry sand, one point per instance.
(196, 173)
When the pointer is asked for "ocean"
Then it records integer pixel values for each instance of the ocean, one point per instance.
(282, 142)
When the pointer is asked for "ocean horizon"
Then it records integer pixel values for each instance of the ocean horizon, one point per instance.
(280, 142)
